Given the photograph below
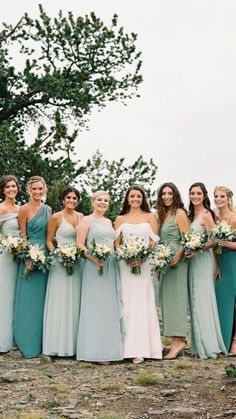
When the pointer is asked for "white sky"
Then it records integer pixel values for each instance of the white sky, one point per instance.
(186, 116)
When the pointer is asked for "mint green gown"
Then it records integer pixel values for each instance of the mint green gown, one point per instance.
(100, 330)
(30, 293)
(206, 335)
(226, 293)
(173, 292)
(8, 275)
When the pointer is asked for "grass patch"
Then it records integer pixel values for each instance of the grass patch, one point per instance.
(37, 414)
(183, 365)
(84, 394)
(231, 370)
(86, 365)
(51, 403)
(146, 379)
(112, 415)
(110, 387)
(59, 391)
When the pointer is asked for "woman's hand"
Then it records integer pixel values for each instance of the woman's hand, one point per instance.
(227, 244)
(217, 273)
(135, 262)
(29, 266)
(190, 254)
(98, 262)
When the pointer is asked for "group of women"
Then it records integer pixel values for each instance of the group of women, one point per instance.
(110, 317)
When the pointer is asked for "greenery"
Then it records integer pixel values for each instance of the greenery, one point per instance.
(114, 177)
(146, 379)
(231, 370)
(69, 65)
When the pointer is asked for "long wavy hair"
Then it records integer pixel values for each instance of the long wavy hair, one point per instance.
(206, 201)
(162, 209)
(229, 195)
(144, 205)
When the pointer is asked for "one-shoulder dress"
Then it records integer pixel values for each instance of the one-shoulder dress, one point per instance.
(226, 293)
(62, 303)
(173, 291)
(100, 325)
(30, 293)
(206, 335)
(142, 331)
(8, 275)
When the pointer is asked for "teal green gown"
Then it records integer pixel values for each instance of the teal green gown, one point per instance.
(30, 293)
(173, 292)
(226, 293)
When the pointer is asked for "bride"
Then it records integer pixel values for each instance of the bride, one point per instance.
(142, 331)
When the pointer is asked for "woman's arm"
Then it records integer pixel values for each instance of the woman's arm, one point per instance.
(22, 218)
(53, 225)
(183, 224)
(117, 224)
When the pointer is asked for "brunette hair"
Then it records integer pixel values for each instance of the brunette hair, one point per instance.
(144, 205)
(3, 182)
(229, 195)
(206, 201)
(68, 190)
(177, 202)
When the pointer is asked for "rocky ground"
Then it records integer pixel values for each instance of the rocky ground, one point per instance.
(64, 388)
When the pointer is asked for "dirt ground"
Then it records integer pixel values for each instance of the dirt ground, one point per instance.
(60, 387)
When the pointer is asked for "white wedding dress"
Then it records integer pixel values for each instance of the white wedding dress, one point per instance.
(142, 330)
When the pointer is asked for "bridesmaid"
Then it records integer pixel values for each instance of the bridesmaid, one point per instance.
(142, 338)
(226, 285)
(100, 324)
(173, 292)
(62, 303)
(30, 293)
(206, 335)
(9, 188)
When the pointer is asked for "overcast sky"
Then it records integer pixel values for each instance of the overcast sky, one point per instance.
(186, 116)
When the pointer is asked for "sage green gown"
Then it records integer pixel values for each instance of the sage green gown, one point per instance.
(30, 293)
(226, 293)
(206, 335)
(8, 275)
(173, 292)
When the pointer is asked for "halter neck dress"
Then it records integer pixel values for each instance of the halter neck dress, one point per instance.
(8, 269)
(62, 303)
(30, 293)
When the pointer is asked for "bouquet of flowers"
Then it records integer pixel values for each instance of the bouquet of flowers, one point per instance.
(34, 255)
(12, 244)
(192, 241)
(67, 254)
(100, 250)
(222, 231)
(161, 257)
(135, 248)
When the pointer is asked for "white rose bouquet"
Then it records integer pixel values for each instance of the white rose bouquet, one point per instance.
(34, 256)
(101, 251)
(161, 257)
(67, 254)
(222, 231)
(135, 248)
(12, 244)
(193, 241)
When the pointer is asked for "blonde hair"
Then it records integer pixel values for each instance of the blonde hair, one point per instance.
(34, 179)
(229, 195)
(98, 193)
